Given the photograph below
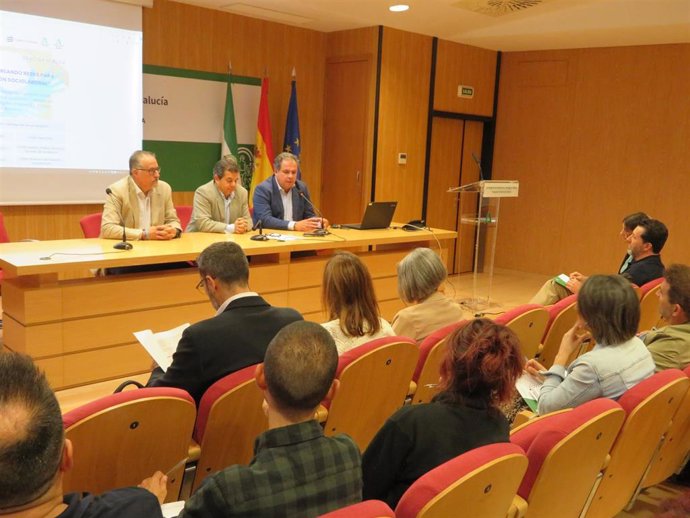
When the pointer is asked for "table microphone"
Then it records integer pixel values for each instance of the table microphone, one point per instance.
(260, 236)
(122, 245)
(319, 232)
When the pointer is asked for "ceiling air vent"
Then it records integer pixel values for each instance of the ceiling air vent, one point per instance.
(497, 7)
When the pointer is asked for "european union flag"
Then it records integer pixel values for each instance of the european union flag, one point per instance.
(291, 141)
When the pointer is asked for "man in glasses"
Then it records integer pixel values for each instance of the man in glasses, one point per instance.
(236, 337)
(141, 202)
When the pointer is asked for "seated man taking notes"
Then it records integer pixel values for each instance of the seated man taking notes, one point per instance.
(282, 201)
(141, 202)
(236, 337)
(221, 204)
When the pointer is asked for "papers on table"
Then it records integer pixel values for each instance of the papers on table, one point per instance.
(282, 237)
(161, 346)
(528, 387)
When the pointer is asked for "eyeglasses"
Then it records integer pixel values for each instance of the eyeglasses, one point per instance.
(201, 284)
(150, 170)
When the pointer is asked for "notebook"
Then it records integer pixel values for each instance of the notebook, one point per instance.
(378, 214)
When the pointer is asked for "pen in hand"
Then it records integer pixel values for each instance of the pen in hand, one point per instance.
(176, 466)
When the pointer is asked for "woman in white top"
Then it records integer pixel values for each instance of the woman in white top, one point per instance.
(349, 300)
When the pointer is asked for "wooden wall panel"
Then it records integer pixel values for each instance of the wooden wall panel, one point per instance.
(458, 64)
(356, 43)
(592, 135)
(403, 110)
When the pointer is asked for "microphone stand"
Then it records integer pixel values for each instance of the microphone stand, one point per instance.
(319, 232)
(122, 245)
(260, 236)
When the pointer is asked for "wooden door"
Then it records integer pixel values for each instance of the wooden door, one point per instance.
(346, 109)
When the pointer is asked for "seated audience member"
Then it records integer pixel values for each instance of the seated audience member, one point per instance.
(478, 373)
(142, 202)
(221, 204)
(551, 292)
(296, 470)
(421, 275)
(236, 337)
(282, 201)
(350, 302)
(34, 456)
(670, 344)
(608, 307)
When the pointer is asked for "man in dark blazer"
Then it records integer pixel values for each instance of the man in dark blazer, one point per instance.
(282, 201)
(233, 339)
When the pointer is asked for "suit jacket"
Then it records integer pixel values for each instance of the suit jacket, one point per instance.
(213, 348)
(123, 206)
(268, 205)
(208, 214)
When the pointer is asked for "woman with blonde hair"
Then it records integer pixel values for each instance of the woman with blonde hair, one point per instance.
(421, 276)
(349, 300)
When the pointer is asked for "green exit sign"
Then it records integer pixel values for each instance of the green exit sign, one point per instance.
(465, 92)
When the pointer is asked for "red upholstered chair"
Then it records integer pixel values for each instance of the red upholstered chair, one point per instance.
(481, 482)
(431, 353)
(649, 304)
(676, 447)
(229, 419)
(529, 322)
(374, 381)
(566, 453)
(366, 509)
(91, 224)
(562, 316)
(121, 439)
(184, 212)
(649, 406)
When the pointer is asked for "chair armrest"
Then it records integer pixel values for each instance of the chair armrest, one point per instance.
(521, 418)
(321, 414)
(412, 389)
(194, 452)
(518, 508)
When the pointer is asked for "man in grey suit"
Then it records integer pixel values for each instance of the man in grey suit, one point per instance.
(141, 202)
(221, 204)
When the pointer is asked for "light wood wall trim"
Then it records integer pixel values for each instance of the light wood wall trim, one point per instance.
(403, 113)
(458, 64)
(592, 135)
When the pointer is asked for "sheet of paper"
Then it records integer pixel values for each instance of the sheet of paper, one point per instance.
(528, 387)
(172, 509)
(161, 346)
(281, 237)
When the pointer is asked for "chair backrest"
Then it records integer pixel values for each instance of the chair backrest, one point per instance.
(529, 322)
(230, 418)
(649, 304)
(366, 509)
(676, 446)
(4, 237)
(566, 452)
(121, 439)
(432, 350)
(562, 316)
(374, 381)
(184, 212)
(481, 482)
(91, 224)
(649, 405)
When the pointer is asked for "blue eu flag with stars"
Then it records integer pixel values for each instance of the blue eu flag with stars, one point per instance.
(291, 142)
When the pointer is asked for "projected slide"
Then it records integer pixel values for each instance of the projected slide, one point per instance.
(70, 95)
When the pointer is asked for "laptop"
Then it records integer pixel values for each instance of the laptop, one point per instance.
(378, 214)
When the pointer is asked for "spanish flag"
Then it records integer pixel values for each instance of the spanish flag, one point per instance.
(263, 150)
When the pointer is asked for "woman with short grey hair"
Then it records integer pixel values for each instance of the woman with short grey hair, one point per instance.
(421, 278)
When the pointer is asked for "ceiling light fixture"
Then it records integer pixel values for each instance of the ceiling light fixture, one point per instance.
(399, 8)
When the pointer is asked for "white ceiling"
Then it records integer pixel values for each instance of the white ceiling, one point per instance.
(542, 24)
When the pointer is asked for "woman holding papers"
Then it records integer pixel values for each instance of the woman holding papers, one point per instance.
(609, 312)
(349, 300)
(482, 362)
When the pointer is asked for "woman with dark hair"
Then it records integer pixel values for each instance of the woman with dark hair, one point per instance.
(349, 300)
(608, 308)
(479, 371)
